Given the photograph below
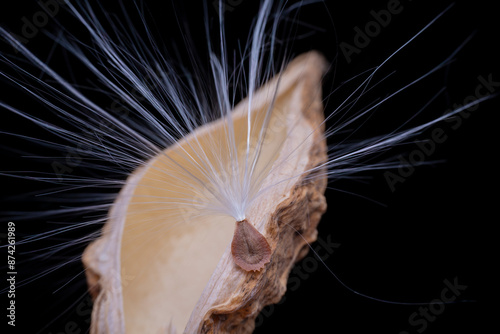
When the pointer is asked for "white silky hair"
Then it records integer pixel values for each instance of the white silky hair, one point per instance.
(173, 104)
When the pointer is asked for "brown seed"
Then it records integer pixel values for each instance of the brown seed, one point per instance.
(249, 247)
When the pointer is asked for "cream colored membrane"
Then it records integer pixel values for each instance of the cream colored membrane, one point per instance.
(169, 248)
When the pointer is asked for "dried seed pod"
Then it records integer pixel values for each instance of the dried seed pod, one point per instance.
(150, 274)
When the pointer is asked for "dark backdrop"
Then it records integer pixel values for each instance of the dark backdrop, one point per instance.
(398, 244)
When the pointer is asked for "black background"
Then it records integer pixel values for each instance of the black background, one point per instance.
(396, 245)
